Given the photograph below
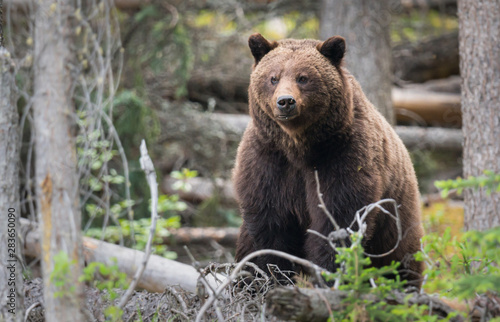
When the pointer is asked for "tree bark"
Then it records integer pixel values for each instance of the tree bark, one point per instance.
(56, 176)
(11, 274)
(365, 26)
(479, 33)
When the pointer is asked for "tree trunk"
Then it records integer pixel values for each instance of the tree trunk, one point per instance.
(11, 275)
(56, 176)
(479, 39)
(365, 26)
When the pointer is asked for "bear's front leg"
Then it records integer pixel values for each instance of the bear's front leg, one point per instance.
(271, 195)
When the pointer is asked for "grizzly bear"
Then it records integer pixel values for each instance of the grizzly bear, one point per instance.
(309, 114)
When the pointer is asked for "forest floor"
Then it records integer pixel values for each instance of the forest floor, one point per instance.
(173, 305)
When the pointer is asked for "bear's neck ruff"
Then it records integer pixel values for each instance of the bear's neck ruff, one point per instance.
(300, 146)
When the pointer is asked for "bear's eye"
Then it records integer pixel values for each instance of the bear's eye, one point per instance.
(274, 80)
(302, 80)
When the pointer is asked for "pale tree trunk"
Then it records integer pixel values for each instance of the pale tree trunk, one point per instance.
(479, 39)
(56, 176)
(365, 26)
(11, 275)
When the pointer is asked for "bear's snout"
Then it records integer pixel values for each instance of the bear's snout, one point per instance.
(286, 103)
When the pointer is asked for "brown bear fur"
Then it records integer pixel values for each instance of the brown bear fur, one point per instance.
(334, 130)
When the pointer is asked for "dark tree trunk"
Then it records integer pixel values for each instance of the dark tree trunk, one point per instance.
(365, 26)
(479, 39)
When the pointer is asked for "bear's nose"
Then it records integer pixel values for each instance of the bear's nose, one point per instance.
(286, 103)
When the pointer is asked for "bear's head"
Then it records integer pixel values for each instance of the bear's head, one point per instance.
(299, 83)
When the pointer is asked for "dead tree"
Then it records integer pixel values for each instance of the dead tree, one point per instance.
(56, 176)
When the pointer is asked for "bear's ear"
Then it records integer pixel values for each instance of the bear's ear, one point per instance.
(260, 46)
(333, 48)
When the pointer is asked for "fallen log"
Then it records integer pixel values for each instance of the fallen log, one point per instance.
(159, 273)
(431, 58)
(300, 304)
(198, 235)
(420, 138)
(428, 108)
(412, 136)
(451, 85)
(202, 189)
(448, 5)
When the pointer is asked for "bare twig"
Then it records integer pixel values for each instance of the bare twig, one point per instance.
(173, 12)
(178, 297)
(126, 171)
(339, 234)
(28, 310)
(360, 219)
(148, 167)
(322, 202)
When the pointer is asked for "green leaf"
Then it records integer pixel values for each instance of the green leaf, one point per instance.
(97, 164)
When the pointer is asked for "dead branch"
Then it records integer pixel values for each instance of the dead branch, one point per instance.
(361, 215)
(148, 168)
